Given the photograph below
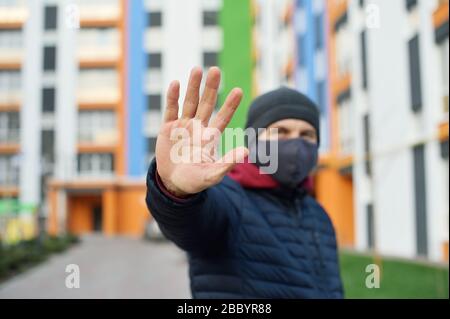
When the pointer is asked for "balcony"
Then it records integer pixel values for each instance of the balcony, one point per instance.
(98, 44)
(99, 85)
(105, 96)
(13, 15)
(11, 58)
(10, 101)
(100, 13)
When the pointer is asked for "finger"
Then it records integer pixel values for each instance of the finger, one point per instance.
(226, 112)
(209, 97)
(192, 93)
(227, 162)
(173, 94)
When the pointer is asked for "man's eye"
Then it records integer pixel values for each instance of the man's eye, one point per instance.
(307, 135)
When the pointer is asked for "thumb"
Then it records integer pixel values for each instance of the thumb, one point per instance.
(227, 162)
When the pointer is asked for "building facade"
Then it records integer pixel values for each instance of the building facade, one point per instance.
(78, 143)
(389, 102)
(82, 90)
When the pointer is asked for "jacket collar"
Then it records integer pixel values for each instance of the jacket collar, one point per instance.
(248, 176)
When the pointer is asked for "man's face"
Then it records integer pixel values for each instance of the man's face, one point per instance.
(289, 129)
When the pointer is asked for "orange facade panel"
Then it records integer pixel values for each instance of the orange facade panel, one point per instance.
(109, 211)
(335, 193)
(96, 148)
(52, 220)
(133, 213)
(9, 148)
(337, 9)
(10, 107)
(9, 66)
(7, 191)
(120, 157)
(99, 23)
(97, 106)
(440, 16)
(335, 162)
(121, 205)
(445, 251)
(11, 25)
(80, 213)
(443, 131)
(343, 84)
(98, 64)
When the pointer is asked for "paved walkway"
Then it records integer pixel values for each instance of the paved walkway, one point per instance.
(109, 268)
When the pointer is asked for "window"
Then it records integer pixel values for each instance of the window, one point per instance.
(48, 147)
(97, 127)
(301, 50)
(370, 226)
(154, 19)
(210, 59)
(9, 170)
(151, 142)
(444, 150)
(346, 125)
(341, 21)
(344, 44)
(319, 32)
(364, 59)
(51, 17)
(414, 74)
(154, 102)
(210, 18)
(9, 127)
(154, 60)
(48, 100)
(444, 50)
(410, 4)
(420, 200)
(321, 96)
(96, 165)
(49, 58)
(366, 127)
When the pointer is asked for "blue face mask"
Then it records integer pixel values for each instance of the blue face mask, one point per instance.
(296, 159)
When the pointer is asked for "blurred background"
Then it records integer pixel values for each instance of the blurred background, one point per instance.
(82, 88)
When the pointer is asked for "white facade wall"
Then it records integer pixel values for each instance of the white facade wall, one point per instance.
(396, 129)
(30, 113)
(181, 41)
(275, 43)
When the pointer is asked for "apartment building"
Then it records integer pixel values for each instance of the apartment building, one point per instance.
(274, 64)
(78, 143)
(311, 72)
(389, 123)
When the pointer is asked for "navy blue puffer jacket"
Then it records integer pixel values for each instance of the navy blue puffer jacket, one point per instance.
(250, 243)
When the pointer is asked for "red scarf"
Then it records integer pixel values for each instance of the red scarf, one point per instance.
(248, 175)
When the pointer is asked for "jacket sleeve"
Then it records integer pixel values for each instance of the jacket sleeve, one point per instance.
(199, 223)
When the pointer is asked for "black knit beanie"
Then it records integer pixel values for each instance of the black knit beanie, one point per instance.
(283, 103)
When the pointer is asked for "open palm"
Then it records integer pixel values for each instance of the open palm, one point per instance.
(195, 166)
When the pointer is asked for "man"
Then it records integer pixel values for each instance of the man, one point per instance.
(247, 234)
